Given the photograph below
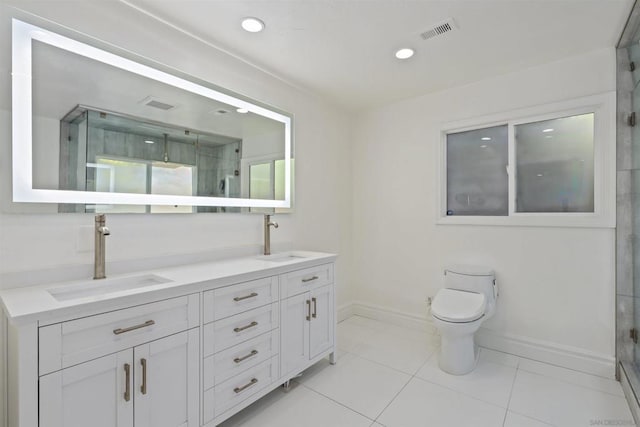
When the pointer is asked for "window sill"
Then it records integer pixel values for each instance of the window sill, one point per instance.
(570, 220)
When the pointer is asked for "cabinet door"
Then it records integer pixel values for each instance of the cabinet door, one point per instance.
(89, 394)
(322, 321)
(294, 329)
(166, 381)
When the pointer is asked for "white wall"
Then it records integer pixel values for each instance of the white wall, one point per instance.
(556, 284)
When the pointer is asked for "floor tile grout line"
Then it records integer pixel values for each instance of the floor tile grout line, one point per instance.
(561, 367)
(533, 418)
(462, 393)
(570, 382)
(391, 367)
(387, 366)
(394, 398)
(379, 364)
(458, 391)
(513, 384)
(335, 401)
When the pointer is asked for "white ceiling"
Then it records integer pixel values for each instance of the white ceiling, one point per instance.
(343, 49)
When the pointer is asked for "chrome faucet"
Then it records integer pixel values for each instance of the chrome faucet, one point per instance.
(101, 231)
(267, 233)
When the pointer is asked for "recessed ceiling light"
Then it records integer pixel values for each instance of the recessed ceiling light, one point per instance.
(252, 25)
(404, 53)
(539, 174)
(486, 138)
(242, 110)
(148, 141)
(548, 130)
(483, 146)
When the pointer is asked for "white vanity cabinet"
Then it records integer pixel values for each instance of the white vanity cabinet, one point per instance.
(240, 344)
(308, 317)
(152, 384)
(191, 354)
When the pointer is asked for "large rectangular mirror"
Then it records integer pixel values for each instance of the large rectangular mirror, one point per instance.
(97, 132)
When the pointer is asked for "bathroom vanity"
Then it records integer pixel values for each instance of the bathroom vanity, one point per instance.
(180, 347)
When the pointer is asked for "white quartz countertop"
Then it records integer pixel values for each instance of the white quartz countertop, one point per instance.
(36, 303)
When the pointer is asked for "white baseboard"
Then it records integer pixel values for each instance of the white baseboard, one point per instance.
(543, 351)
(344, 312)
(391, 316)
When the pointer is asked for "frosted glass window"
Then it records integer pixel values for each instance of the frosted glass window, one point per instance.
(120, 176)
(477, 181)
(131, 176)
(171, 178)
(260, 184)
(554, 161)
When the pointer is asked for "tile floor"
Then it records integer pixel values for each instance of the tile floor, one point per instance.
(388, 375)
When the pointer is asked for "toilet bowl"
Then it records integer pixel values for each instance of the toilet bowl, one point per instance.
(466, 301)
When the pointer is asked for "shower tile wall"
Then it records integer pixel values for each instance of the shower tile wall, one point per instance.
(628, 182)
(221, 161)
(213, 163)
(127, 145)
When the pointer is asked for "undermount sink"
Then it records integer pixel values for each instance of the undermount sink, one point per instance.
(105, 286)
(282, 257)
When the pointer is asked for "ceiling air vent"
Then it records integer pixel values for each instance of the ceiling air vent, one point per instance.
(439, 29)
(155, 103)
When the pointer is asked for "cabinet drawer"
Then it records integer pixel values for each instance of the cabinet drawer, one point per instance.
(76, 341)
(299, 281)
(235, 360)
(235, 390)
(234, 299)
(233, 330)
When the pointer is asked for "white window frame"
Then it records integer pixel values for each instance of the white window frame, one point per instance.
(603, 106)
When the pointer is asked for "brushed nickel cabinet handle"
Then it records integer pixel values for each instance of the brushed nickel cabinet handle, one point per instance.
(250, 325)
(308, 310)
(310, 279)
(251, 295)
(240, 359)
(127, 380)
(315, 307)
(143, 387)
(133, 328)
(244, 387)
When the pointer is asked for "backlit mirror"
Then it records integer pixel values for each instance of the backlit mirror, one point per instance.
(98, 132)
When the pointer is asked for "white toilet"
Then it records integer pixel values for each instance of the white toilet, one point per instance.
(467, 299)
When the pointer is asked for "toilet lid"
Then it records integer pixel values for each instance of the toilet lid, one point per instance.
(456, 306)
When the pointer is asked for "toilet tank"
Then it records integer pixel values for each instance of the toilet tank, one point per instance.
(473, 278)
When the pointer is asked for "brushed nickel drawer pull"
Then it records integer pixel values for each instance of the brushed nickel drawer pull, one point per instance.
(250, 325)
(133, 328)
(240, 359)
(244, 387)
(308, 310)
(127, 380)
(143, 387)
(251, 295)
(315, 307)
(310, 279)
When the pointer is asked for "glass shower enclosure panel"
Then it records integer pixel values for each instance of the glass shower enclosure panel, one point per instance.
(628, 210)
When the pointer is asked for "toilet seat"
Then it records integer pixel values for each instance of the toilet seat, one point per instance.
(455, 306)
